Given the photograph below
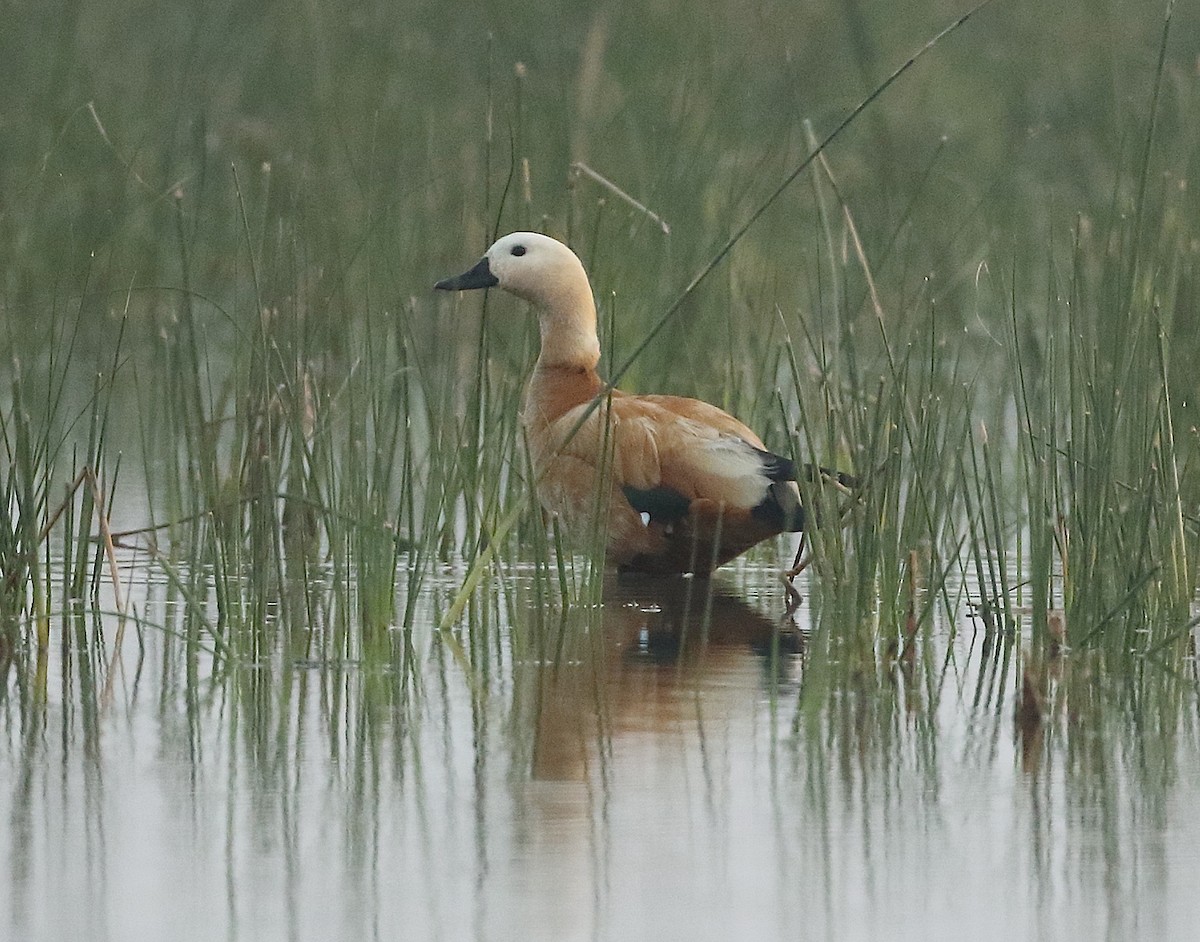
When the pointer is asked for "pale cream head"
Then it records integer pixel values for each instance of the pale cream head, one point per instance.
(549, 276)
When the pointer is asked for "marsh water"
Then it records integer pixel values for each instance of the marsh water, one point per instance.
(657, 767)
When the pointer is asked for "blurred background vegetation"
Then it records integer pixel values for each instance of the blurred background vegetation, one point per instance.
(372, 145)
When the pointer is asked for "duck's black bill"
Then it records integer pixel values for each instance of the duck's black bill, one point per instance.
(478, 277)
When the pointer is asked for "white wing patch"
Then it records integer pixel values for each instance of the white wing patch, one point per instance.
(734, 461)
(700, 450)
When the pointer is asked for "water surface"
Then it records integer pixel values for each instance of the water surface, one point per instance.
(663, 773)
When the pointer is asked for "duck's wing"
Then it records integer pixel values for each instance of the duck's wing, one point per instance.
(672, 452)
(705, 413)
(778, 467)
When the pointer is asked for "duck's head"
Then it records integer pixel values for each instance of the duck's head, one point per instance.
(528, 264)
(549, 276)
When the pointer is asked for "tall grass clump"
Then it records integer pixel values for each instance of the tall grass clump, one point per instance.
(1103, 391)
(58, 481)
(294, 471)
(1108, 469)
(1052, 484)
(876, 385)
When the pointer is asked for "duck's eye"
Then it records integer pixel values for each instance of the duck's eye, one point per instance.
(518, 250)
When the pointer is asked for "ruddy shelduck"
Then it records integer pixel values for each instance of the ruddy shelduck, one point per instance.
(689, 487)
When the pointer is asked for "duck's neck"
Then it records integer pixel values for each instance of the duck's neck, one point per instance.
(565, 374)
(567, 322)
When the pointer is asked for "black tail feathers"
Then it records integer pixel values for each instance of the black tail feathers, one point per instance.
(779, 468)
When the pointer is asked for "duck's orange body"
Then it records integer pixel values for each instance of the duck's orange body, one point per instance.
(680, 485)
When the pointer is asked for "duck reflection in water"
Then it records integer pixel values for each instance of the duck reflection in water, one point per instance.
(661, 652)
